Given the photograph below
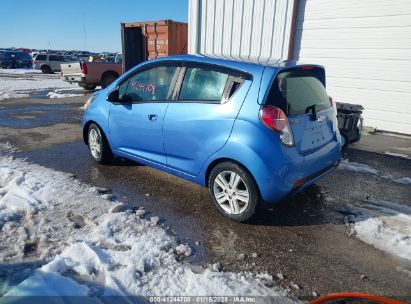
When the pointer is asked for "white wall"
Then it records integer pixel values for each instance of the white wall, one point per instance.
(365, 47)
(240, 29)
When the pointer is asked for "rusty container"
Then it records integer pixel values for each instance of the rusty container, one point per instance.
(160, 38)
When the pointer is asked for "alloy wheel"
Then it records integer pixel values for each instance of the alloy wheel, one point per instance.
(231, 192)
(94, 141)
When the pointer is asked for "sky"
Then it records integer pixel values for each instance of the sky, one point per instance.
(60, 24)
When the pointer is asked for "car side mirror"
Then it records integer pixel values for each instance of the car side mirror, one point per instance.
(114, 96)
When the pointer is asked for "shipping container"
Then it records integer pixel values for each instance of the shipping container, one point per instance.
(153, 39)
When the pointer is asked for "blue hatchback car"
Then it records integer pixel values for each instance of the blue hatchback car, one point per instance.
(252, 133)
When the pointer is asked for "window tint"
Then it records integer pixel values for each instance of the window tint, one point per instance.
(201, 84)
(295, 91)
(41, 57)
(56, 58)
(150, 85)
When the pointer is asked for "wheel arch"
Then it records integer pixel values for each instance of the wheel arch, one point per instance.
(218, 161)
(87, 126)
(109, 72)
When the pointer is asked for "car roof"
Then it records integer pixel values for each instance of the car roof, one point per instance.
(247, 64)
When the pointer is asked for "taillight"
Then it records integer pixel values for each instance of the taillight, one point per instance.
(83, 68)
(34, 62)
(333, 104)
(275, 119)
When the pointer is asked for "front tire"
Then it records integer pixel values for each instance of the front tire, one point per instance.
(98, 145)
(233, 191)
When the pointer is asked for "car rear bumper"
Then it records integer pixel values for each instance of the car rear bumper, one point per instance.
(300, 172)
(74, 78)
(309, 180)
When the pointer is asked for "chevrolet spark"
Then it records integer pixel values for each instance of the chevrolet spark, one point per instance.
(252, 133)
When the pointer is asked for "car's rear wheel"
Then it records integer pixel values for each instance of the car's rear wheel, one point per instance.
(107, 80)
(98, 145)
(46, 69)
(89, 87)
(233, 191)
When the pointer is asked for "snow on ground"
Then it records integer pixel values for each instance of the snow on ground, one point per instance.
(20, 71)
(19, 87)
(356, 167)
(362, 168)
(90, 250)
(64, 93)
(384, 225)
(396, 154)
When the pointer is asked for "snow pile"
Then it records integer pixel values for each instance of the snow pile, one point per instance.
(362, 168)
(384, 225)
(65, 93)
(24, 87)
(93, 252)
(21, 71)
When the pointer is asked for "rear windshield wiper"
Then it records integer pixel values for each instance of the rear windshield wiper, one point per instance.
(311, 109)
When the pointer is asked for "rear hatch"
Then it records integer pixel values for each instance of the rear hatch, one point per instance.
(300, 93)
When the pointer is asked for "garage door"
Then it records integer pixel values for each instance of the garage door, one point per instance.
(366, 49)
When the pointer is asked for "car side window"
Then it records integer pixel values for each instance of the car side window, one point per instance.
(150, 85)
(55, 58)
(41, 57)
(203, 85)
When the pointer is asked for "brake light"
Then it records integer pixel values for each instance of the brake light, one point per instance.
(34, 62)
(84, 68)
(275, 119)
(333, 104)
(307, 67)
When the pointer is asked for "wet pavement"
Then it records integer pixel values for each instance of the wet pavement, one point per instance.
(303, 239)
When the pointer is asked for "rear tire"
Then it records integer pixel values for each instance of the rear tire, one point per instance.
(234, 191)
(107, 79)
(89, 87)
(46, 69)
(98, 145)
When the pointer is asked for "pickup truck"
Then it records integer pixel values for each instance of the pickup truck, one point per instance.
(89, 75)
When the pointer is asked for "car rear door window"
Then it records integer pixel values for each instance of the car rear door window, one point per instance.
(297, 91)
(203, 85)
(153, 84)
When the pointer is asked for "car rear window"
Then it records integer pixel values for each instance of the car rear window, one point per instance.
(203, 85)
(296, 91)
(41, 57)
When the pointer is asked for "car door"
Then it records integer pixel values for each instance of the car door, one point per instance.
(199, 121)
(136, 123)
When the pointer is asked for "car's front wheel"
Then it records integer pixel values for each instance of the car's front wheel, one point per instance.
(98, 145)
(233, 191)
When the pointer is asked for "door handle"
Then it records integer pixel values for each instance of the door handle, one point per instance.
(152, 117)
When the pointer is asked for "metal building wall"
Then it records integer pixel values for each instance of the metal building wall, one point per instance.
(240, 29)
(365, 47)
